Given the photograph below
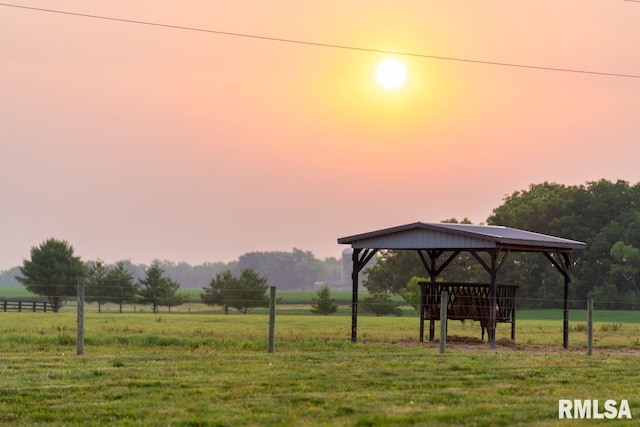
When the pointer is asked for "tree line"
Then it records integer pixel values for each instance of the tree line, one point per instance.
(603, 214)
(293, 270)
(56, 273)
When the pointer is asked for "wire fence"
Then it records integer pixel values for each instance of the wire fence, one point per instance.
(129, 298)
(106, 303)
(611, 321)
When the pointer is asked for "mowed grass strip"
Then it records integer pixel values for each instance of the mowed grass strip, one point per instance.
(183, 369)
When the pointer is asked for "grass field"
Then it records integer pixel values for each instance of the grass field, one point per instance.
(207, 369)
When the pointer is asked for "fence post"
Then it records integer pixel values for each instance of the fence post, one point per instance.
(272, 317)
(443, 321)
(589, 326)
(423, 304)
(80, 340)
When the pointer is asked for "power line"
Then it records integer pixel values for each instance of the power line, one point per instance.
(327, 45)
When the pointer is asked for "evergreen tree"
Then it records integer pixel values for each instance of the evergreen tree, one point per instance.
(324, 303)
(121, 286)
(242, 293)
(218, 290)
(158, 290)
(114, 284)
(251, 292)
(53, 272)
(96, 284)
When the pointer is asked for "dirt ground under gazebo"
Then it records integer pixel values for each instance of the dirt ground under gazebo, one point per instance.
(458, 343)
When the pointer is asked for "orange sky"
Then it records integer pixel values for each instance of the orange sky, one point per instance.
(141, 142)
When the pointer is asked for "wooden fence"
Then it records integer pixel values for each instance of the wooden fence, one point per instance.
(18, 305)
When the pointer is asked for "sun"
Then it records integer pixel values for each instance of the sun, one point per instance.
(391, 73)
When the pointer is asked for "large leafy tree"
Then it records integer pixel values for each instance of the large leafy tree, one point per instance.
(243, 293)
(53, 271)
(159, 290)
(543, 208)
(604, 214)
(600, 213)
(626, 268)
(287, 270)
(622, 287)
(412, 293)
(392, 271)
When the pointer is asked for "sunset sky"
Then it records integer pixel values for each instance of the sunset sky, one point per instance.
(144, 142)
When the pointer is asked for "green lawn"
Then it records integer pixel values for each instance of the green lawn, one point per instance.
(620, 316)
(208, 369)
(15, 292)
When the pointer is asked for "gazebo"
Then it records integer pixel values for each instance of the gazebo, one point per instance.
(438, 244)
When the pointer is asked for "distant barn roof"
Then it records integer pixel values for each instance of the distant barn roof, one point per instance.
(421, 235)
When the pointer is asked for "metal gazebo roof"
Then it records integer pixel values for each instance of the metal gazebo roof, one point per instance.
(421, 235)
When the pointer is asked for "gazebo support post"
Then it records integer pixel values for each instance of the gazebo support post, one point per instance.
(493, 299)
(354, 295)
(563, 267)
(492, 269)
(565, 321)
(358, 264)
(565, 315)
(434, 271)
(423, 305)
(430, 266)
